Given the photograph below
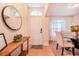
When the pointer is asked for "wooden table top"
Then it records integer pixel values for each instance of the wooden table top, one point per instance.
(12, 46)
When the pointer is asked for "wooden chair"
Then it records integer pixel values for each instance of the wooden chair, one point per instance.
(63, 44)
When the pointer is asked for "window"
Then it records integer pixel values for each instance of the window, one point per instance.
(56, 25)
(35, 11)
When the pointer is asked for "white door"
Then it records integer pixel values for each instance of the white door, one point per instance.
(36, 35)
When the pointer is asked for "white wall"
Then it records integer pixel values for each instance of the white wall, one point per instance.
(9, 33)
(76, 19)
(45, 26)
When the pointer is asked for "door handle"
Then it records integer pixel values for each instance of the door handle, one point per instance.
(41, 30)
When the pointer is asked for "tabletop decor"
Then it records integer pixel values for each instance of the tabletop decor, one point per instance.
(17, 37)
(75, 28)
(3, 42)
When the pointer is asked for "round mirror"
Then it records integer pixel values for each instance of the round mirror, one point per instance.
(11, 18)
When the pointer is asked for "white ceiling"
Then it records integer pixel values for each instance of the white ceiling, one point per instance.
(56, 9)
(62, 9)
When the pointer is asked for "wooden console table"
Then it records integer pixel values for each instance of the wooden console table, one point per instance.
(13, 45)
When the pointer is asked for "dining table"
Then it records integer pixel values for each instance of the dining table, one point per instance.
(75, 41)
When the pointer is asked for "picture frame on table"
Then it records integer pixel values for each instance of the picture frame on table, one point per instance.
(3, 42)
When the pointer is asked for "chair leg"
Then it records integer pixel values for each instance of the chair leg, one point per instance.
(73, 51)
(62, 51)
(57, 46)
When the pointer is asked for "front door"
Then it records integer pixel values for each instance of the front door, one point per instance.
(36, 31)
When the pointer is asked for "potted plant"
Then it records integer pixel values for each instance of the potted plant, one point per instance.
(17, 37)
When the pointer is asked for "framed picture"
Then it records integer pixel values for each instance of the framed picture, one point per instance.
(3, 42)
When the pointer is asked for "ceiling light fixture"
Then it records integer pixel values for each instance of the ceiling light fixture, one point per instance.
(75, 5)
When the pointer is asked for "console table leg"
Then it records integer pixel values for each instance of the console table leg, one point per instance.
(27, 46)
(21, 47)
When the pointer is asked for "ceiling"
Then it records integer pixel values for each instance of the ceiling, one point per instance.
(57, 9)
(62, 9)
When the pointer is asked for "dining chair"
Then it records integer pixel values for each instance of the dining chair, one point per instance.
(63, 44)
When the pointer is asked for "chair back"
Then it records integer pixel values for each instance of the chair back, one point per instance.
(59, 38)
